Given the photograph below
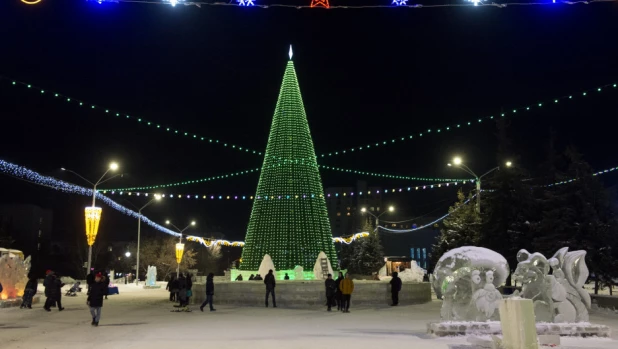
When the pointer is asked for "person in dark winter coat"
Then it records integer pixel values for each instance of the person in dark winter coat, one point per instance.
(98, 290)
(53, 291)
(210, 291)
(395, 288)
(258, 277)
(182, 291)
(105, 280)
(269, 281)
(90, 279)
(173, 290)
(29, 292)
(338, 297)
(189, 288)
(331, 289)
(251, 277)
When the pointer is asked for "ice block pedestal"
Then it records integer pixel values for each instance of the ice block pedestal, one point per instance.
(517, 322)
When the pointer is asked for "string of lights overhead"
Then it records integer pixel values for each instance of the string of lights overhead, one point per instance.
(398, 140)
(340, 4)
(327, 195)
(255, 170)
(25, 174)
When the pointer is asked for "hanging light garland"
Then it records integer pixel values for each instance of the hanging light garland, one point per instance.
(343, 4)
(28, 175)
(275, 196)
(255, 170)
(392, 141)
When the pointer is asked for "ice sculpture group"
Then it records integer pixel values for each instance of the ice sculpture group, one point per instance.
(467, 279)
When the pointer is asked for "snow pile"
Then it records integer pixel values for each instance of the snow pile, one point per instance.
(413, 274)
(266, 265)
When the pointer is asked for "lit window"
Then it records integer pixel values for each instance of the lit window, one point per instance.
(348, 214)
(338, 214)
(372, 209)
(40, 232)
(394, 225)
(109, 249)
(348, 208)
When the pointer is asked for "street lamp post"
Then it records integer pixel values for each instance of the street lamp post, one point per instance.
(390, 209)
(93, 213)
(157, 197)
(180, 247)
(458, 163)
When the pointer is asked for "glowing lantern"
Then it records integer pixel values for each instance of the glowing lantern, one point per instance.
(180, 249)
(93, 217)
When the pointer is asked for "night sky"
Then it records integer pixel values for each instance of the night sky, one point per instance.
(366, 76)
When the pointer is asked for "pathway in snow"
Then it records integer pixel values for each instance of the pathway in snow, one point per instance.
(140, 318)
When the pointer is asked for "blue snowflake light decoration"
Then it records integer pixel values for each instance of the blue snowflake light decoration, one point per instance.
(246, 3)
(400, 2)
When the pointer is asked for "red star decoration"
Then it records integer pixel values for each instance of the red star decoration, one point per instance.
(320, 3)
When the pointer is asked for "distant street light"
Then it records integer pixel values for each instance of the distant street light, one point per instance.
(93, 213)
(390, 209)
(127, 254)
(458, 163)
(156, 197)
(180, 247)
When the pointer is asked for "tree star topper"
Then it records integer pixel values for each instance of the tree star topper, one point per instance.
(320, 3)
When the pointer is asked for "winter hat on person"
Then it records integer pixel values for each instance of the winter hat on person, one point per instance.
(48, 272)
(99, 275)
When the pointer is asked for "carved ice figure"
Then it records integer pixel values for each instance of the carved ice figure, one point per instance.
(13, 274)
(318, 271)
(151, 276)
(487, 299)
(559, 297)
(266, 265)
(298, 273)
(458, 275)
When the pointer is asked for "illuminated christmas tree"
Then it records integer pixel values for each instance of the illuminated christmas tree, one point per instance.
(289, 219)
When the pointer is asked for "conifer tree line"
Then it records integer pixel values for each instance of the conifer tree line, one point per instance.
(520, 211)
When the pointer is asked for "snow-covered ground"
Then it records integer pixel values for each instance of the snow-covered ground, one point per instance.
(139, 318)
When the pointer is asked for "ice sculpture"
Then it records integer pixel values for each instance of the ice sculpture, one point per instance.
(266, 265)
(298, 273)
(318, 271)
(13, 274)
(559, 297)
(466, 279)
(151, 276)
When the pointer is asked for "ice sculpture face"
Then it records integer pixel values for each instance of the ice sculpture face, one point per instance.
(559, 297)
(460, 279)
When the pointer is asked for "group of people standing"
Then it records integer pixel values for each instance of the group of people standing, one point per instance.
(180, 290)
(339, 292)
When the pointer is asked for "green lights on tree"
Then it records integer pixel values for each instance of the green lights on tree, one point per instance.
(292, 232)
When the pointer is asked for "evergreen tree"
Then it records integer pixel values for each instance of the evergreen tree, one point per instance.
(460, 228)
(365, 255)
(580, 217)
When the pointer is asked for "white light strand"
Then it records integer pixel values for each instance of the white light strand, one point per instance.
(23, 173)
(399, 231)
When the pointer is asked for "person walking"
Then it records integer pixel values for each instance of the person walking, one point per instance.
(95, 298)
(105, 280)
(90, 279)
(29, 292)
(171, 289)
(182, 291)
(395, 288)
(269, 281)
(338, 297)
(331, 289)
(189, 287)
(210, 291)
(347, 287)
